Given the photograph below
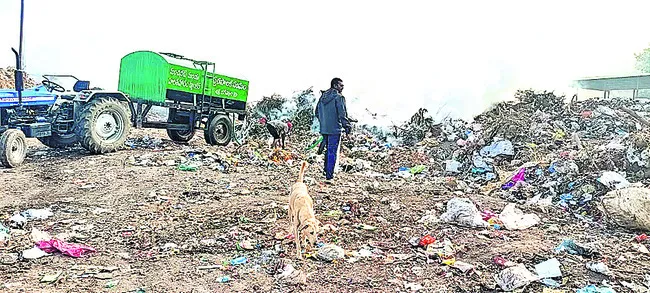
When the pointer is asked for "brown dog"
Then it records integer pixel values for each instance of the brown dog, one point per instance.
(302, 221)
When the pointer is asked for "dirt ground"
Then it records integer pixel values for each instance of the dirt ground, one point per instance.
(207, 212)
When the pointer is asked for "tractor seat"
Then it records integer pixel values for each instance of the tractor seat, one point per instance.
(81, 85)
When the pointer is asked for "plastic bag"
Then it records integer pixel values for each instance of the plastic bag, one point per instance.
(69, 249)
(463, 212)
(502, 147)
(514, 277)
(514, 219)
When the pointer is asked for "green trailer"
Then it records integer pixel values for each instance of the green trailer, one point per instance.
(196, 96)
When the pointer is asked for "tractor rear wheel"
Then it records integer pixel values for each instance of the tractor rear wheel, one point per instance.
(179, 135)
(103, 125)
(57, 141)
(219, 131)
(13, 148)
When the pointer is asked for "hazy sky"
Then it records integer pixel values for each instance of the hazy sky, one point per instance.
(393, 56)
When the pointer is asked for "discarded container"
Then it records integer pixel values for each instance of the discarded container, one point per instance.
(548, 269)
(515, 219)
(463, 212)
(426, 240)
(514, 277)
(239, 261)
(628, 207)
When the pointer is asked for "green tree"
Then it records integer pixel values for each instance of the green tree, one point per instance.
(643, 60)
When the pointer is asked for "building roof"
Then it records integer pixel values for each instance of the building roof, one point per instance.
(628, 82)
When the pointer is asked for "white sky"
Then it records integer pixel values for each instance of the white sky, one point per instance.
(394, 57)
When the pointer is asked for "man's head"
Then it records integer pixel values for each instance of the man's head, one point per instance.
(337, 84)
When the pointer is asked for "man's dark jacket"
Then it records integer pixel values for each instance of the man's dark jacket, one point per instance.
(331, 113)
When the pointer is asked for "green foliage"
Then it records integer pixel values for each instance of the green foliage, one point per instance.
(643, 60)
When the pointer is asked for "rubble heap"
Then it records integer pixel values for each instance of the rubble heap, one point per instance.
(7, 79)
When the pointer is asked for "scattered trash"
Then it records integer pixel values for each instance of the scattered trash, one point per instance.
(595, 289)
(34, 253)
(111, 284)
(38, 235)
(613, 180)
(330, 252)
(4, 233)
(51, 278)
(462, 211)
(413, 286)
(8, 258)
(426, 240)
(239, 261)
(515, 219)
(641, 238)
(641, 248)
(550, 283)
(571, 247)
(503, 262)
(69, 249)
(223, 279)
(514, 277)
(497, 148)
(599, 267)
(548, 269)
(37, 214)
(629, 207)
(17, 220)
(463, 266)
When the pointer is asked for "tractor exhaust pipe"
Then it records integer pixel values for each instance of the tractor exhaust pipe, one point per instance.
(18, 77)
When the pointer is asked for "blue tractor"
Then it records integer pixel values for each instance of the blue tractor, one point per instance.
(45, 112)
(60, 112)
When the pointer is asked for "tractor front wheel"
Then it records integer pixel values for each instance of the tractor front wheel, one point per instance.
(13, 148)
(103, 125)
(57, 141)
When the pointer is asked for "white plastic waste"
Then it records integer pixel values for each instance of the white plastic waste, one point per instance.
(463, 212)
(613, 180)
(514, 219)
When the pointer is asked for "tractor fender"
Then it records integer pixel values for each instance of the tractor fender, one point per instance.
(86, 97)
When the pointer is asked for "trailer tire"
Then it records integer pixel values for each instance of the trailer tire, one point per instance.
(219, 131)
(103, 125)
(13, 148)
(57, 141)
(178, 135)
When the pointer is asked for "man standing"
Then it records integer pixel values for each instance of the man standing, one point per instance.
(333, 118)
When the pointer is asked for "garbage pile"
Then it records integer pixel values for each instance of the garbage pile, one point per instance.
(7, 79)
(298, 109)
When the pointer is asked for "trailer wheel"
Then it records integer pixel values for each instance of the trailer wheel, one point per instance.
(57, 141)
(179, 135)
(219, 131)
(103, 125)
(13, 148)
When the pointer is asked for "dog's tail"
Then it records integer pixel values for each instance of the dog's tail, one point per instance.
(301, 175)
